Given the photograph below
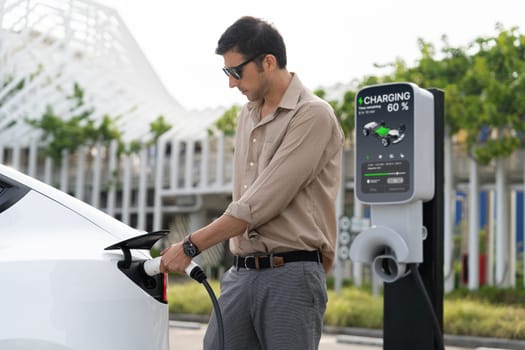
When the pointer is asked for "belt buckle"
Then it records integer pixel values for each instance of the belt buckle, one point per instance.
(255, 259)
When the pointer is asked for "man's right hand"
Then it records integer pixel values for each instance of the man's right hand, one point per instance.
(174, 259)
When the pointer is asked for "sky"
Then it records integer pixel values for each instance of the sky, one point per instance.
(328, 42)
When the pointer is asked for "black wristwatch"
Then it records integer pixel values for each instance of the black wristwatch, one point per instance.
(189, 248)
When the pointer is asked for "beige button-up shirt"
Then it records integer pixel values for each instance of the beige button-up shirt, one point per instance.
(286, 175)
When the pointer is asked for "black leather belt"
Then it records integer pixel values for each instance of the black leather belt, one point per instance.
(275, 260)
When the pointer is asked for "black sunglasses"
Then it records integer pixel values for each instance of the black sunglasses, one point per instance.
(236, 72)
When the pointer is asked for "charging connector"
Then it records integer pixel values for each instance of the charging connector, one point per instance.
(194, 271)
(152, 268)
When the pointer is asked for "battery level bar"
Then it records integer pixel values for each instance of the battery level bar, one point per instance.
(385, 174)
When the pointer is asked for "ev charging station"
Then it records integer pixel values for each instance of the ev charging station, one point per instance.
(399, 174)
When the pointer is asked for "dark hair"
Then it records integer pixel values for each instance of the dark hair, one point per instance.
(251, 37)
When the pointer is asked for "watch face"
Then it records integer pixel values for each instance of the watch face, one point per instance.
(189, 249)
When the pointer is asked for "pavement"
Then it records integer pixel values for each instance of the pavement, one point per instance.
(188, 336)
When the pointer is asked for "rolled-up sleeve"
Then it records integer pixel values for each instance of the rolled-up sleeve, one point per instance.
(240, 211)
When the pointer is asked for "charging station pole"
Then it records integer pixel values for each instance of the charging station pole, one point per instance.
(408, 320)
(399, 173)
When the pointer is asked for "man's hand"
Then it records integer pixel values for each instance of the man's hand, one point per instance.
(327, 264)
(174, 259)
(223, 228)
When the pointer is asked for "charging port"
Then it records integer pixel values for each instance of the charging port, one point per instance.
(156, 286)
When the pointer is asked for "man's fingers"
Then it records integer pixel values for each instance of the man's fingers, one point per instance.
(163, 268)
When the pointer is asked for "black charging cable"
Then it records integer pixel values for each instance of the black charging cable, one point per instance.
(196, 272)
(437, 328)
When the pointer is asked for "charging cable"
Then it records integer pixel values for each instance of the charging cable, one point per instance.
(435, 322)
(152, 268)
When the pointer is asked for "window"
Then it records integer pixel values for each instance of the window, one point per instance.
(10, 192)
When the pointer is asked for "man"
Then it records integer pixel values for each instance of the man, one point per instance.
(281, 222)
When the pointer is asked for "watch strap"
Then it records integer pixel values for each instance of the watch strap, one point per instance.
(188, 241)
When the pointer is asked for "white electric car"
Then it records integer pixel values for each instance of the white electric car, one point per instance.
(71, 276)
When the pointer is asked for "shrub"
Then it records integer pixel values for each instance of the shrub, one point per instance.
(190, 297)
(354, 308)
(473, 313)
(468, 317)
(491, 295)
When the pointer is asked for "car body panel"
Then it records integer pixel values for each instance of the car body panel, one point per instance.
(60, 289)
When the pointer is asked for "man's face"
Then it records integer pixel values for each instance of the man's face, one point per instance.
(243, 73)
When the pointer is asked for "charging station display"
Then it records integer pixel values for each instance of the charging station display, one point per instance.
(389, 133)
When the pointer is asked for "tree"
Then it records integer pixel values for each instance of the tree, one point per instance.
(499, 69)
(483, 86)
(344, 110)
(61, 134)
(227, 123)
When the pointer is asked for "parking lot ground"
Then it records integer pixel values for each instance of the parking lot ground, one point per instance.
(189, 335)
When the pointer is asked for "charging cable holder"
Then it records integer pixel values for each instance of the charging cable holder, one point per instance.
(394, 240)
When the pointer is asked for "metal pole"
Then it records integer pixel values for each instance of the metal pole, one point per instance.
(408, 323)
(473, 227)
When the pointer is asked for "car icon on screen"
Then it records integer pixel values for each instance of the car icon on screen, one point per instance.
(384, 133)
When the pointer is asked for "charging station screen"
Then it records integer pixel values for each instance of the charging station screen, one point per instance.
(384, 122)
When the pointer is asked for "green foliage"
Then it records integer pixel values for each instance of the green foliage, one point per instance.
(484, 85)
(227, 123)
(497, 70)
(78, 95)
(67, 135)
(354, 307)
(13, 87)
(446, 73)
(489, 312)
(158, 127)
(191, 297)
(490, 295)
(465, 317)
(330, 282)
(61, 134)
(495, 148)
(344, 110)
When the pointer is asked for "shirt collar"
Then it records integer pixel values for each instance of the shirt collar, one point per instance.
(292, 93)
(290, 97)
